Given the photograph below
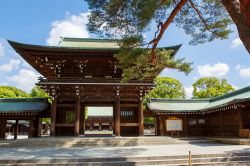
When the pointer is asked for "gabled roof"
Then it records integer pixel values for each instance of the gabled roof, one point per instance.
(23, 105)
(81, 44)
(191, 105)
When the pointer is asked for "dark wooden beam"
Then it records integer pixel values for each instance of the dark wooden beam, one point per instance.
(140, 118)
(2, 128)
(77, 115)
(117, 117)
(221, 124)
(16, 130)
(53, 117)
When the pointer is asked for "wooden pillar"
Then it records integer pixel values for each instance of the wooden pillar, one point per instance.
(221, 124)
(53, 118)
(207, 125)
(141, 118)
(31, 128)
(240, 120)
(117, 117)
(37, 127)
(185, 125)
(2, 128)
(162, 132)
(158, 125)
(77, 116)
(82, 120)
(16, 130)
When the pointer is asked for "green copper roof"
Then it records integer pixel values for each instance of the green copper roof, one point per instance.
(190, 105)
(23, 105)
(89, 43)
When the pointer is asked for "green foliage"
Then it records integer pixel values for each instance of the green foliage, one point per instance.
(116, 18)
(165, 88)
(149, 119)
(215, 16)
(37, 92)
(70, 116)
(12, 92)
(86, 112)
(136, 63)
(211, 87)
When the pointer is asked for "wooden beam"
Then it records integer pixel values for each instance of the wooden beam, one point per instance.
(65, 125)
(240, 119)
(221, 124)
(2, 128)
(77, 116)
(31, 128)
(141, 118)
(129, 124)
(53, 117)
(162, 131)
(117, 117)
(16, 130)
(129, 105)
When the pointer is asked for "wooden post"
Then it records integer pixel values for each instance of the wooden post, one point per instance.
(77, 116)
(82, 120)
(2, 128)
(31, 128)
(185, 125)
(162, 132)
(37, 127)
(207, 125)
(141, 118)
(240, 120)
(53, 118)
(117, 117)
(221, 124)
(16, 130)
(189, 158)
(158, 132)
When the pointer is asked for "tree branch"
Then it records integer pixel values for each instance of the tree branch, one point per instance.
(199, 14)
(164, 27)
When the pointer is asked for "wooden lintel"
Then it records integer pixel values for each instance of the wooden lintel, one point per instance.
(129, 105)
(65, 124)
(65, 105)
(129, 124)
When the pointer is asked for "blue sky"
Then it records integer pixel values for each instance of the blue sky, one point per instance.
(43, 22)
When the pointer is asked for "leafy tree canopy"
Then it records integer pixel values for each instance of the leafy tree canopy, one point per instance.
(211, 87)
(12, 92)
(136, 63)
(203, 20)
(166, 87)
(37, 92)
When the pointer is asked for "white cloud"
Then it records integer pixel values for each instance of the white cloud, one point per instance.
(72, 26)
(1, 50)
(216, 70)
(189, 92)
(236, 42)
(25, 79)
(238, 67)
(13, 64)
(245, 72)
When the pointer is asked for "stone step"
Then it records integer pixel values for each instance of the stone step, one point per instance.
(208, 159)
(99, 142)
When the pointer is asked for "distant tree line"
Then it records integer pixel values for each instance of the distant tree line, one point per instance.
(13, 92)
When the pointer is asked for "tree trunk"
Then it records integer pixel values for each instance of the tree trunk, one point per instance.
(239, 10)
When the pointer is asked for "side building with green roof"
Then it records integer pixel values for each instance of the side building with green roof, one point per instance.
(227, 115)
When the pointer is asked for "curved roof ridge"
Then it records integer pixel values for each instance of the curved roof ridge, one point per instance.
(230, 94)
